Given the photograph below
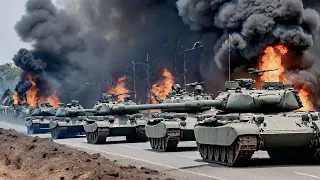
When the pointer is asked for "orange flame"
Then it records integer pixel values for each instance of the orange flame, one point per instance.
(161, 88)
(15, 98)
(272, 59)
(33, 97)
(119, 87)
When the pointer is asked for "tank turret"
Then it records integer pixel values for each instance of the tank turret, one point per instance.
(271, 97)
(62, 110)
(45, 109)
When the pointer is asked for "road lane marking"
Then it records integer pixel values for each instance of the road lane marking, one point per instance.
(144, 149)
(309, 175)
(131, 146)
(146, 161)
(185, 157)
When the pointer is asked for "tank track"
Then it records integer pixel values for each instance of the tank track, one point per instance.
(237, 154)
(140, 135)
(59, 132)
(33, 129)
(166, 143)
(315, 144)
(97, 137)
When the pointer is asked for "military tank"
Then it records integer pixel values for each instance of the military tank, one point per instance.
(38, 121)
(252, 119)
(125, 119)
(65, 123)
(167, 128)
(19, 112)
(128, 123)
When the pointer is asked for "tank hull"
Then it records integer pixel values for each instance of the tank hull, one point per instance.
(37, 125)
(164, 135)
(232, 139)
(98, 128)
(64, 127)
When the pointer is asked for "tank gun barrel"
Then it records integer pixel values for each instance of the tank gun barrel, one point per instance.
(116, 95)
(186, 104)
(120, 109)
(260, 72)
(75, 111)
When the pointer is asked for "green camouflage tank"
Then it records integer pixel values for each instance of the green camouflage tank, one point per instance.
(252, 119)
(167, 128)
(38, 121)
(67, 124)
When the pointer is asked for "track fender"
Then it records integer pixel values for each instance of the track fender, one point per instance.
(92, 127)
(160, 130)
(31, 122)
(53, 124)
(224, 135)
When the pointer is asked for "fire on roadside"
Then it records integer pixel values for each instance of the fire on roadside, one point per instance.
(272, 59)
(119, 87)
(162, 87)
(33, 95)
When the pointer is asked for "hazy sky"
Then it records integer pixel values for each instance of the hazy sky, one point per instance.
(10, 13)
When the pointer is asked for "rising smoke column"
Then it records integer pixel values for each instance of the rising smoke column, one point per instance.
(55, 37)
(90, 39)
(85, 41)
(122, 31)
(255, 24)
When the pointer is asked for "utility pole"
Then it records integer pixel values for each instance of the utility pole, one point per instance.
(134, 79)
(185, 70)
(149, 84)
(175, 68)
(148, 77)
(229, 58)
(99, 90)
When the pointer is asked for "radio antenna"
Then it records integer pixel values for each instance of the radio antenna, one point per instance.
(229, 59)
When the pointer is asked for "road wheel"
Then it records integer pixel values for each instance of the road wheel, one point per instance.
(59, 132)
(223, 153)
(210, 152)
(230, 153)
(216, 153)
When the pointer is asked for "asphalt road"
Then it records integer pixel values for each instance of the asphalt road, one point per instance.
(186, 163)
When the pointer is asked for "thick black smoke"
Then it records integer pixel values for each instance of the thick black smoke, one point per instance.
(55, 36)
(26, 61)
(252, 25)
(89, 40)
(118, 32)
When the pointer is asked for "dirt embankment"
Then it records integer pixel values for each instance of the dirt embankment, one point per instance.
(25, 157)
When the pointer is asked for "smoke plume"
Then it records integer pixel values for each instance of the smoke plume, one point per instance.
(249, 26)
(95, 40)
